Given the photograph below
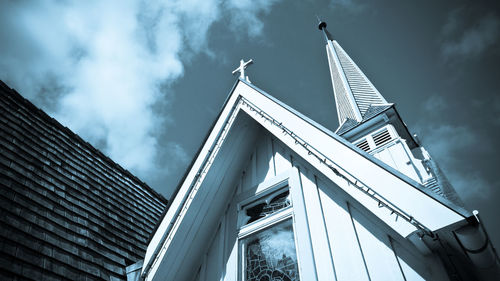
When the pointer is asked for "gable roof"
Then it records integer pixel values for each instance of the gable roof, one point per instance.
(372, 183)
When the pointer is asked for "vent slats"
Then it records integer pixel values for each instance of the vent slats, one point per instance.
(381, 137)
(363, 145)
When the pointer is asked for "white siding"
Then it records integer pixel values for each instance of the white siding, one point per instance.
(343, 244)
(231, 245)
(268, 160)
(380, 259)
(336, 241)
(214, 257)
(320, 245)
(416, 266)
(281, 157)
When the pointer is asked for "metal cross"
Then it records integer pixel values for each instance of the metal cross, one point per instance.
(241, 69)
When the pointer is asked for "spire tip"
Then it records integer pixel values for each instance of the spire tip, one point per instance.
(321, 24)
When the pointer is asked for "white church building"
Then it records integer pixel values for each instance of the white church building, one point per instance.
(272, 195)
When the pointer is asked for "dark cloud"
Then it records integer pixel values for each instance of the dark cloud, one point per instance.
(472, 37)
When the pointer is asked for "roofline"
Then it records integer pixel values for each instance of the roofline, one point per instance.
(340, 125)
(197, 154)
(13, 93)
(406, 127)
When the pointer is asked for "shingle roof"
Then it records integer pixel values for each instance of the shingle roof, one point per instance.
(66, 210)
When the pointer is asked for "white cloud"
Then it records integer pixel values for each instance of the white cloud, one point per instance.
(471, 184)
(435, 103)
(245, 14)
(101, 63)
(446, 141)
(472, 41)
(351, 5)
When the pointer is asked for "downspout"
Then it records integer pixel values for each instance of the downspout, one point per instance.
(477, 247)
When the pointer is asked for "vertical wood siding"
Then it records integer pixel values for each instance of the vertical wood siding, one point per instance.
(347, 242)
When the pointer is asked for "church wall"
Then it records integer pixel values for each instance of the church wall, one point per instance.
(345, 241)
(396, 156)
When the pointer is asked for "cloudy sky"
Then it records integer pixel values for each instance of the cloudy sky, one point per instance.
(143, 80)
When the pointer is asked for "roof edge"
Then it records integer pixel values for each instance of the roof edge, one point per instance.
(190, 166)
(16, 95)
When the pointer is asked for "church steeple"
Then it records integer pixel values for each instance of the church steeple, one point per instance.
(354, 93)
(370, 123)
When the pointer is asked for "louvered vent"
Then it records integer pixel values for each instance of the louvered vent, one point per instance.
(363, 145)
(381, 137)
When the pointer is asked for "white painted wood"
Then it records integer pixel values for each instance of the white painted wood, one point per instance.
(197, 278)
(401, 226)
(264, 159)
(247, 175)
(264, 223)
(343, 244)
(343, 257)
(305, 255)
(222, 248)
(320, 244)
(214, 257)
(403, 161)
(203, 268)
(416, 266)
(375, 245)
(281, 157)
(262, 165)
(231, 243)
(385, 156)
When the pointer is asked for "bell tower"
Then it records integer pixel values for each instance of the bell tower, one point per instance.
(373, 125)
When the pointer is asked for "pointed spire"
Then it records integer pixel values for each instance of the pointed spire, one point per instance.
(353, 92)
(322, 27)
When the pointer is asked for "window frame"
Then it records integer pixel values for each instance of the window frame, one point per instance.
(276, 186)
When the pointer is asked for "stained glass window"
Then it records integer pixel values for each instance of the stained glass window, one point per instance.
(263, 209)
(270, 254)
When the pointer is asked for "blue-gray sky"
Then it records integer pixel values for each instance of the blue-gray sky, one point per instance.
(143, 80)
